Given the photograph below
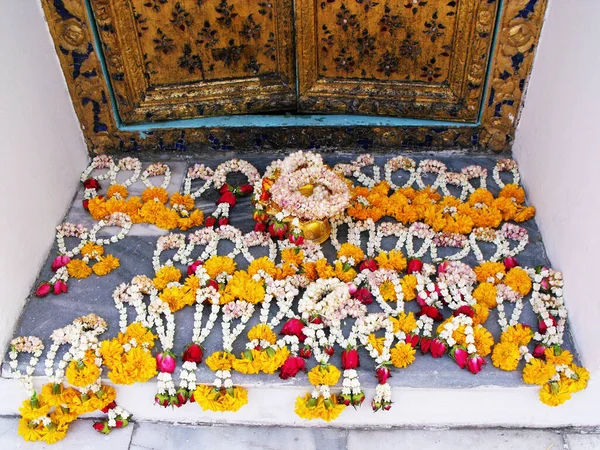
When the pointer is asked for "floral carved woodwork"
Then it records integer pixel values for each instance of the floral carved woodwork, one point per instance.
(519, 25)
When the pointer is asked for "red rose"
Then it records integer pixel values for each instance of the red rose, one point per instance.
(364, 296)
(265, 196)
(510, 262)
(91, 183)
(539, 352)
(431, 311)
(460, 355)
(182, 397)
(224, 188)
(108, 407)
(350, 359)
(86, 204)
(383, 373)
(414, 266)
(193, 353)
(412, 339)
(543, 327)
(210, 221)
(425, 344)
(305, 352)
(329, 350)
(475, 363)
(227, 197)
(296, 238)
(368, 264)
(102, 427)
(291, 367)
(191, 270)
(278, 230)
(223, 221)
(294, 327)
(466, 310)
(442, 267)
(246, 189)
(43, 290)
(260, 227)
(60, 287)
(315, 320)
(438, 348)
(213, 284)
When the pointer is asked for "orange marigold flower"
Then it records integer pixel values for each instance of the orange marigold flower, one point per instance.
(185, 201)
(155, 193)
(514, 192)
(118, 191)
(518, 280)
(78, 268)
(106, 265)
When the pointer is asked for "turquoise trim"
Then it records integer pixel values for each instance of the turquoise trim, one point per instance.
(287, 120)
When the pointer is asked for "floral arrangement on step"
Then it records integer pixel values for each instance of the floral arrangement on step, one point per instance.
(414, 298)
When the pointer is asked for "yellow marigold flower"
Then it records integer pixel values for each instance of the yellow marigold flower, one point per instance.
(481, 196)
(319, 410)
(262, 332)
(77, 268)
(263, 263)
(524, 213)
(554, 394)
(155, 193)
(63, 416)
(369, 203)
(220, 361)
(558, 356)
(409, 287)
(507, 207)
(387, 291)
(142, 335)
(344, 275)
(450, 215)
(151, 211)
(518, 280)
(506, 356)
(250, 362)
(309, 270)
(241, 286)
(376, 342)
(486, 217)
(488, 272)
(32, 412)
(216, 265)
(197, 218)
(404, 322)
(327, 375)
(580, 380)
(402, 355)
(483, 340)
(481, 315)
(518, 335)
(538, 372)
(177, 297)
(92, 250)
(293, 256)
(168, 219)
(82, 373)
(118, 191)
(30, 433)
(348, 251)
(136, 365)
(401, 209)
(212, 399)
(514, 192)
(112, 352)
(186, 201)
(56, 394)
(166, 275)
(286, 270)
(324, 270)
(192, 282)
(270, 364)
(485, 294)
(393, 260)
(106, 265)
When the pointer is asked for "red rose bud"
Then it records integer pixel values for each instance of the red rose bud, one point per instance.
(383, 373)
(438, 348)
(193, 353)
(358, 399)
(278, 230)
(329, 350)
(352, 288)
(364, 296)
(414, 266)
(225, 188)
(108, 407)
(475, 363)
(60, 261)
(296, 238)
(210, 221)
(43, 290)
(543, 327)
(412, 339)
(60, 287)
(162, 400)
(265, 196)
(182, 397)
(466, 310)
(375, 405)
(425, 344)
(294, 327)
(102, 427)
(223, 221)
(246, 189)
(345, 399)
(91, 183)
(213, 284)
(121, 423)
(539, 352)
(191, 270)
(368, 264)
(442, 267)
(431, 311)
(227, 197)
(315, 320)
(545, 284)
(460, 355)
(510, 262)
(260, 227)
(350, 359)
(85, 204)
(291, 367)
(305, 352)
(165, 362)
(387, 406)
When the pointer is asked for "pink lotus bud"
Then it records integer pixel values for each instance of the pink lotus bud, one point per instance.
(352, 288)
(460, 355)
(510, 262)
(192, 268)
(438, 348)
(43, 290)
(60, 287)
(475, 363)
(414, 266)
(165, 362)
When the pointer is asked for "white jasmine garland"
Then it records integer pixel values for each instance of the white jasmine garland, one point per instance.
(156, 170)
(506, 165)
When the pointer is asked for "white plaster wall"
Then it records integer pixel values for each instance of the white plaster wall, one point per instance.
(558, 150)
(42, 152)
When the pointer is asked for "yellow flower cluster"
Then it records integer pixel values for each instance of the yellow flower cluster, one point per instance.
(324, 374)
(484, 340)
(83, 373)
(506, 354)
(254, 361)
(220, 400)
(448, 214)
(319, 408)
(402, 355)
(149, 208)
(242, 286)
(135, 365)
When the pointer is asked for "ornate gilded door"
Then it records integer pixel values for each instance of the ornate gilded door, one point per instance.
(176, 59)
(409, 58)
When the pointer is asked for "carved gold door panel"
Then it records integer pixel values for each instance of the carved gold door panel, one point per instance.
(410, 58)
(170, 59)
